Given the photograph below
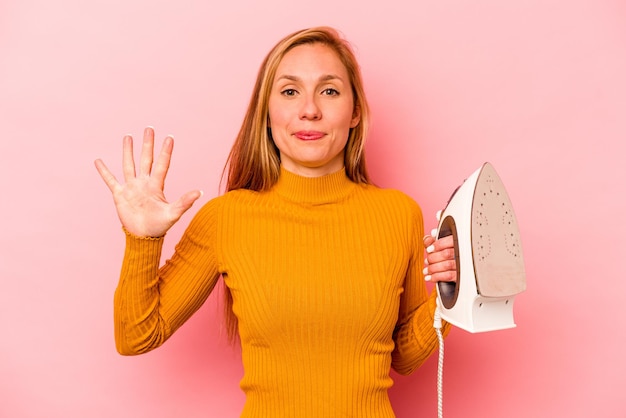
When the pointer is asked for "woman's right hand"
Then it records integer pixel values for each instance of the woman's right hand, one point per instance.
(140, 201)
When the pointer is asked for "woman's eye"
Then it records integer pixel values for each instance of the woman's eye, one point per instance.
(288, 92)
(330, 92)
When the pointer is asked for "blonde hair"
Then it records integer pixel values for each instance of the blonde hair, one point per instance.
(254, 160)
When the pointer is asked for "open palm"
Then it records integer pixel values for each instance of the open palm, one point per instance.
(140, 201)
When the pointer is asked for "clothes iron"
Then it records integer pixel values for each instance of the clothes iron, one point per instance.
(490, 263)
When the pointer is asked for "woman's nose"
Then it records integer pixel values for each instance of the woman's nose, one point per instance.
(310, 109)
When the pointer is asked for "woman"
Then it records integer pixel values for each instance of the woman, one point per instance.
(323, 270)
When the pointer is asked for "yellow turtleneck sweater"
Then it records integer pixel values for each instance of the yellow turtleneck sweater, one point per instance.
(326, 279)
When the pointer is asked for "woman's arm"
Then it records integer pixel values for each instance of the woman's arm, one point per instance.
(150, 303)
(415, 336)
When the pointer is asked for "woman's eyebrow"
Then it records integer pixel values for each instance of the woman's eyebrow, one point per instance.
(327, 77)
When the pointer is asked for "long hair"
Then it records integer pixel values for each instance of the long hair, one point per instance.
(254, 160)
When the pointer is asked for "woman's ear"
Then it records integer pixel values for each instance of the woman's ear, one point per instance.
(356, 116)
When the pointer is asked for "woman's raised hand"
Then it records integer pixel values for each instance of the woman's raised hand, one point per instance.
(140, 201)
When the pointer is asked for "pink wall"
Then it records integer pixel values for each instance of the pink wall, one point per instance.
(536, 87)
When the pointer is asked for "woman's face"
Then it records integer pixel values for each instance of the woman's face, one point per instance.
(311, 110)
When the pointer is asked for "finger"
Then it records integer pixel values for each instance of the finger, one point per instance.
(440, 267)
(441, 244)
(162, 163)
(440, 256)
(441, 250)
(184, 203)
(107, 176)
(446, 276)
(428, 240)
(147, 152)
(128, 160)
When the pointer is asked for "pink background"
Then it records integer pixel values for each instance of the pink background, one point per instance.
(536, 87)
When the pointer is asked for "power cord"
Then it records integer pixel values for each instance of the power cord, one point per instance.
(437, 326)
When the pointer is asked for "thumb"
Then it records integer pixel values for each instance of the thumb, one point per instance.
(185, 202)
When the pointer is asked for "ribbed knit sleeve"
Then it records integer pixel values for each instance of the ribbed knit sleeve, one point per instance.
(415, 336)
(151, 303)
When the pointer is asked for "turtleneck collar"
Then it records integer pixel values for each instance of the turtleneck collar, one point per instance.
(314, 190)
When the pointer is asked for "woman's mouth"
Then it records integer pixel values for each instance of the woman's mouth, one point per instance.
(309, 135)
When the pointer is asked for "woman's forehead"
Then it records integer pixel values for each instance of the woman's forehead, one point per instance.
(317, 61)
